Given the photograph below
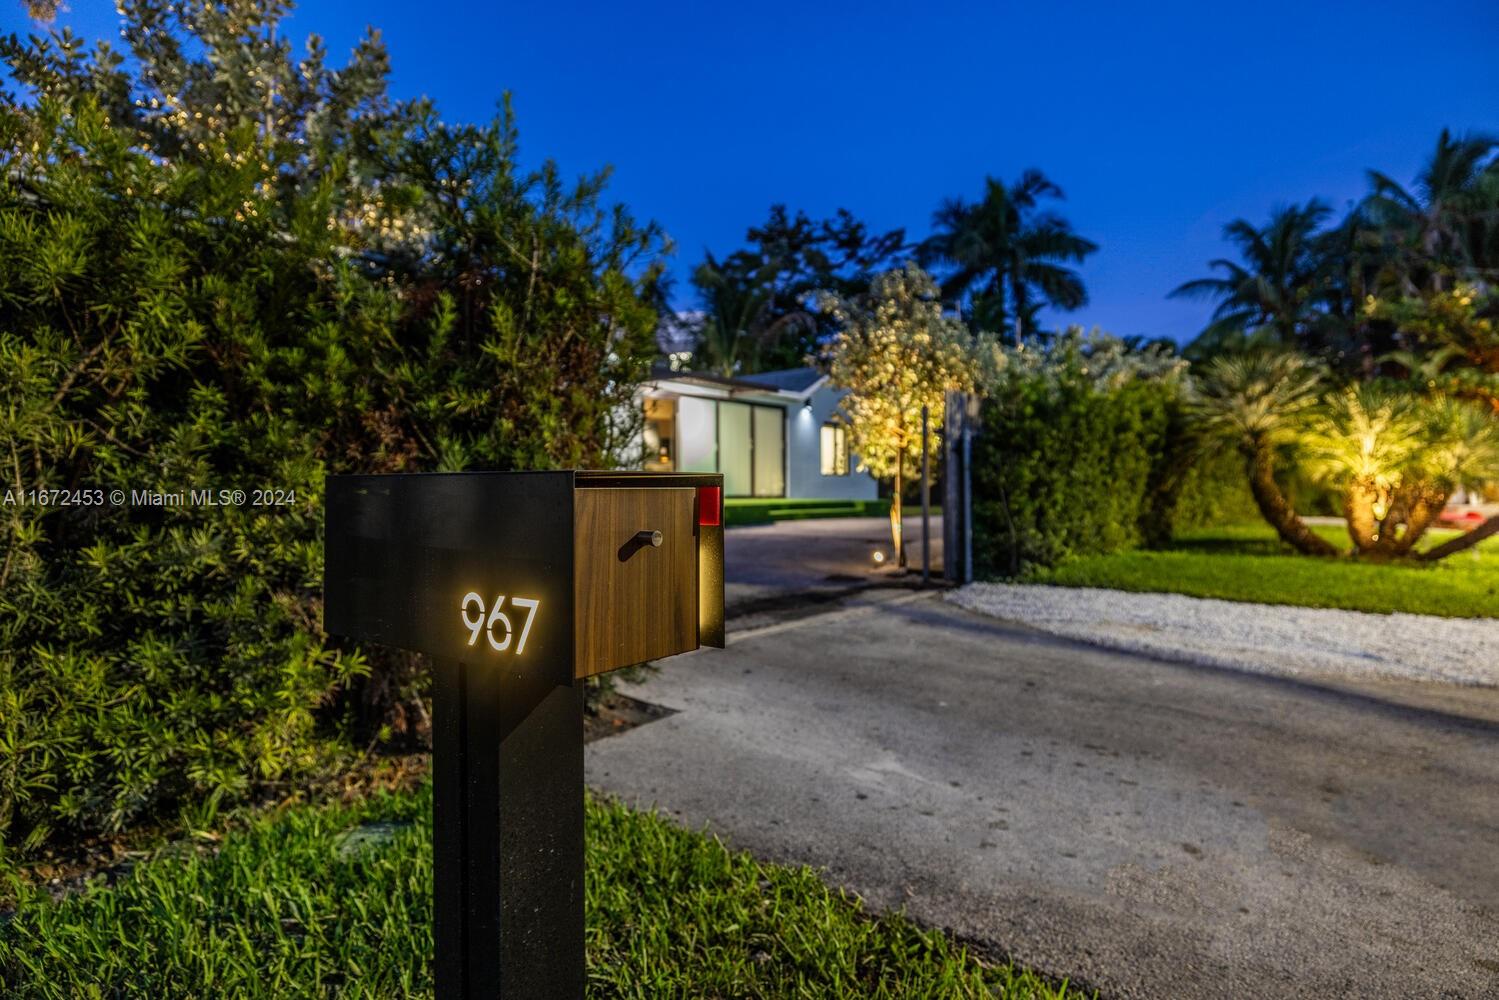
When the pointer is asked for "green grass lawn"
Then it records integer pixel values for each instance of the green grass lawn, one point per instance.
(293, 905)
(765, 510)
(757, 510)
(1248, 563)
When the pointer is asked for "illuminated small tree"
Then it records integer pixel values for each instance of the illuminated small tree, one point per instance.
(1455, 341)
(895, 353)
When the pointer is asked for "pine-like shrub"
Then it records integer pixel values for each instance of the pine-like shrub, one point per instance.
(227, 303)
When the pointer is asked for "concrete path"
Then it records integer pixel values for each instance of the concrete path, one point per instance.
(1151, 828)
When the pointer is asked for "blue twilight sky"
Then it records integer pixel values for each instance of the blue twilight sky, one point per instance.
(1160, 121)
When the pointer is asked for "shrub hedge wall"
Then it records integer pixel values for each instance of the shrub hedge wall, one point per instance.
(1062, 469)
(1087, 450)
(157, 338)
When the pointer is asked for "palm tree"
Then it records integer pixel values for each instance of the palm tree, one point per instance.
(1447, 224)
(1463, 449)
(1276, 294)
(737, 325)
(1007, 257)
(1363, 442)
(726, 345)
(1253, 402)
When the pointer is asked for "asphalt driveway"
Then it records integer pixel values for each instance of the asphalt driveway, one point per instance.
(1153, 829)
(769, 562)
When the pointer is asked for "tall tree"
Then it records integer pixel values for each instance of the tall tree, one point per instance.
(1354, 256)
(1445, 228)
(732, 329)
(1005, 257)
(1278, 293)
(895, 353)
(759, 309)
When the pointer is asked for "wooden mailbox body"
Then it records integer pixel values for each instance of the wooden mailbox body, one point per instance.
(519, 585)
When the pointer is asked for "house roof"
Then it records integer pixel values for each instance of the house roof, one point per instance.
(797, 380)
(662, 373)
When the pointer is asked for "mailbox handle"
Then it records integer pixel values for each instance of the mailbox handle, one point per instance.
(648, 537)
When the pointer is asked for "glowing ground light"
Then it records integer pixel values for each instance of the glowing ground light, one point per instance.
(879, 557)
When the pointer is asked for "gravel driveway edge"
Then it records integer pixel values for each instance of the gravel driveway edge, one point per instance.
(1259, 638)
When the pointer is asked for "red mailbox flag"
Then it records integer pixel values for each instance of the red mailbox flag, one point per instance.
(709, 506)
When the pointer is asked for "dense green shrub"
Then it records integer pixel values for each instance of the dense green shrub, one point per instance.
(1090, 447)
(244, 314)
(1213, 491)
(148, 650)
(1070, 455)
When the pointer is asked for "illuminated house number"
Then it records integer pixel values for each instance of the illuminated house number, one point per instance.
(482, 625)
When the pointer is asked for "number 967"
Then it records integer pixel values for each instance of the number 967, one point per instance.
(494, 624)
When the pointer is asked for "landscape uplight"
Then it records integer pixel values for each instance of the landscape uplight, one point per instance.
(879, 557)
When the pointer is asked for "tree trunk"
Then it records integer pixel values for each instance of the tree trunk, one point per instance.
(1487, 529)
(897, 537)
(1018, 294)
(1388, 542)
(1274, 508)
(1358, 512)
(1422, 509)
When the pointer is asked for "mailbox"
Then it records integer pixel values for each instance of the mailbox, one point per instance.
(497, 567)
(519, 585)
(647, 567)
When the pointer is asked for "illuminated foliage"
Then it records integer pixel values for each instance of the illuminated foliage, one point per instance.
(895, 353)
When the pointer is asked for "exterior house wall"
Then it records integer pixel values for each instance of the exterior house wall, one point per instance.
(696, 445)
(804, 478)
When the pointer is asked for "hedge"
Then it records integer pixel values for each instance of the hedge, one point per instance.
(155, 339)
(1087, 450)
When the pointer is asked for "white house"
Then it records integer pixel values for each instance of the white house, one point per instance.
(775, 434)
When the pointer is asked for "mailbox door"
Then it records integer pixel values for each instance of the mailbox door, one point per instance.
(634, 601)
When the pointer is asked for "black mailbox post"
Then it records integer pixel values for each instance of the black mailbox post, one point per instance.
(519, 585)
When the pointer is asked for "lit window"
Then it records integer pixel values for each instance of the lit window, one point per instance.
(834, 450)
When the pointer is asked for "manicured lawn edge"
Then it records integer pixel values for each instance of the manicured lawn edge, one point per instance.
(1247, 563)
(335, 900)
(738, 511)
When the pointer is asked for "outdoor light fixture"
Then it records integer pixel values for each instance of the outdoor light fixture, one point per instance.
(879, 557)
(807, 406)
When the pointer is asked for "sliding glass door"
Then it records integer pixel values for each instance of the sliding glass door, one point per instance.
(744, 441)
(736, 444)
(769, 452)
